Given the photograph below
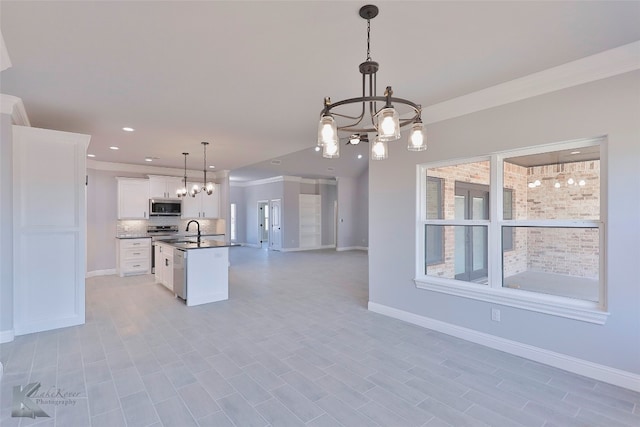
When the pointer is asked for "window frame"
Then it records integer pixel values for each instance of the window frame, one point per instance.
(440, 202)
(583, 310)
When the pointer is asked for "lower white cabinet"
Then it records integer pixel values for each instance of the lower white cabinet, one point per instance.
(164, 265)
(134, 256)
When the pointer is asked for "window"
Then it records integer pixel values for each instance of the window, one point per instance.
(433, 235)
(233, 222)
(521, 228)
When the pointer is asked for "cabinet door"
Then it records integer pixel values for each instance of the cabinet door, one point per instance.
(173, 183)
(133, 198)
(191, 205)
(158, 261)
(211, 204)
(157, 188)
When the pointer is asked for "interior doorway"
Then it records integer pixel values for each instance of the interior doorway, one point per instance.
(275, 241)
(263, 223)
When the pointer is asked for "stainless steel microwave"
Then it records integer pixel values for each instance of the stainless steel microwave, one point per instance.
(165, 207)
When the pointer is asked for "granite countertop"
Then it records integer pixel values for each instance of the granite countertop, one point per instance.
(204, 244)
(176, 235)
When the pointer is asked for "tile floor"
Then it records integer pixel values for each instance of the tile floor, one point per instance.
(293, 346)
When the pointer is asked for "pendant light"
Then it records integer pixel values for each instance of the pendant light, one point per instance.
(207, 187)
(182, 192)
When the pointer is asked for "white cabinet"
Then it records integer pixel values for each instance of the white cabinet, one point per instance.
(203, 205)
(164, 265)
(310, 216)
(133, 198)
(164, 187)
(133, 256)
(49, 228)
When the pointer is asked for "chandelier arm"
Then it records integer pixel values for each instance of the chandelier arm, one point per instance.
(363, 99)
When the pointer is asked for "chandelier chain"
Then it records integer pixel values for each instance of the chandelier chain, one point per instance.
(368, 40)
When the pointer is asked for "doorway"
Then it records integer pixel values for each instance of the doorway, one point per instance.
(263, 223)
(471, 202)
(275, 241)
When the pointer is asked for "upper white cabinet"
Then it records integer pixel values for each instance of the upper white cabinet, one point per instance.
(49, 228)
(164, 187)
(133, 198)
(203, 205)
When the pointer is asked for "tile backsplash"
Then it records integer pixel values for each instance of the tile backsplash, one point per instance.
(207, 226)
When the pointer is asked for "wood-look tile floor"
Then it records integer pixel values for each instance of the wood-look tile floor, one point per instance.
(293, 346)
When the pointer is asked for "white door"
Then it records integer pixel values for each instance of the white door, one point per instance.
(275, 237)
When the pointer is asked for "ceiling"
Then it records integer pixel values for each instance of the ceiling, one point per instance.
(250, 77)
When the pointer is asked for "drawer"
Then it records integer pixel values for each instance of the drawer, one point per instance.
(135, 243)
(135, 266)
(136, 253)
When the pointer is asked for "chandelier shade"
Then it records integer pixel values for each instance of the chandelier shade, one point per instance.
(377, 114)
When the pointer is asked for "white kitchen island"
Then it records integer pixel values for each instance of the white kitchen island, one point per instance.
(200, 271)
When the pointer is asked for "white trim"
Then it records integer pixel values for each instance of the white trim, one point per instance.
(352, 248)
(578, 366)
(13, 106)
(95, 273)
(282, 178)
(609, 63)
(251, 245)
(6, 336)
(5, 61)
(314, 248)
(150, 170)
(584, 311)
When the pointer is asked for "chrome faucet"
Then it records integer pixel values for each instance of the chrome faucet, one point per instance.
(198, 224)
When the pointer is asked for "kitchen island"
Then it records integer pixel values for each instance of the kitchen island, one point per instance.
(200, 270)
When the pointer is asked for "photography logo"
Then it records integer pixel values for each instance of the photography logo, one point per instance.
(23, 406)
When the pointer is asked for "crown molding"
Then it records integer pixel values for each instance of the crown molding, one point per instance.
(5, 61)
(282, 178)
(602, 65)
(13, 106)
(150, 170)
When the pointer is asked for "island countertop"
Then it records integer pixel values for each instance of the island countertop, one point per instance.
(203, 244)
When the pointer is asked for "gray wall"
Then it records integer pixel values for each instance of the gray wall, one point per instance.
(347, 189)
(102, 217)
(607, 107)
(253, 194)
(362, 210)
(6, 224)
(236, 195)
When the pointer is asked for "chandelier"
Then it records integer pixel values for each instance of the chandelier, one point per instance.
(206, 187)
(384, 122)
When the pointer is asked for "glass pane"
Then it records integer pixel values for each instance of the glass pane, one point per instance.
(556, 261)
(471, 173)
(555, 185)
(434, 198)
(463, 249)
(479, 208)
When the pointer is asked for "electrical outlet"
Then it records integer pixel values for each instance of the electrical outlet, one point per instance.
(495, 314)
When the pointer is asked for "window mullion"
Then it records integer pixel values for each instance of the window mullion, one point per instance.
(495, 216)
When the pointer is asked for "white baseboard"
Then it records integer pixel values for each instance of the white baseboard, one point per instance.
(6, 336)
(95, 273)
(315, 248)
(352, 248)
(586, 368)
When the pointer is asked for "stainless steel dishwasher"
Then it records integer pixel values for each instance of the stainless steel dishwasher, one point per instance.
(180, 273)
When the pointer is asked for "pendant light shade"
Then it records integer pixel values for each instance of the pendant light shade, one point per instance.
(417, 137)
(331, 150)
(327, 131)
(379, 150)
(388, 124)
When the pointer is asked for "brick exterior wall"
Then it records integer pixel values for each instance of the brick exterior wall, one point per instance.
(559, 251)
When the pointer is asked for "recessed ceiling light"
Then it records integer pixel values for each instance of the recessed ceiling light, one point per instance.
(148, 159)
(359, 156)
(128, 129)
(317, 148)
(91, 155)
(575, 152)
(212, 167)
(114, 148)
